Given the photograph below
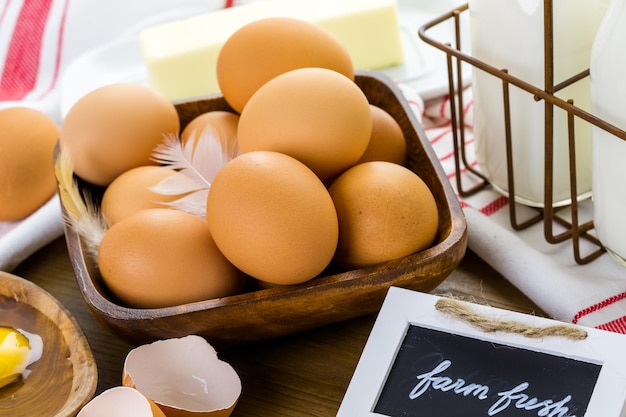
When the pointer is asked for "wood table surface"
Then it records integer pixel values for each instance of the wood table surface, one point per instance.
(304, 374)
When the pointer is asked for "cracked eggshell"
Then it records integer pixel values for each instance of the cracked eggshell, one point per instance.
(184, 377)
(121, 402)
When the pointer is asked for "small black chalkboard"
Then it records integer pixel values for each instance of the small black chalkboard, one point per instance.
(423, 360)
(440, 374)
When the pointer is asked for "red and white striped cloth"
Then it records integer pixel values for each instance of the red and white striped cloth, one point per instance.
(39, 39)
(593, 295)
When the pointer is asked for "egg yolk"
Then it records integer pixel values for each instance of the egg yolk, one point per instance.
(15, 354)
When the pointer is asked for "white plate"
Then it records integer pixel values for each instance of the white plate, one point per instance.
(118, 61)
(424, 67)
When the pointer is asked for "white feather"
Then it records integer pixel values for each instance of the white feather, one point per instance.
(194, 203)
(79, 210)
(177, 184)
(197, 161)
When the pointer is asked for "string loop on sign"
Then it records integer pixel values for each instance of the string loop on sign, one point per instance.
(464, 312)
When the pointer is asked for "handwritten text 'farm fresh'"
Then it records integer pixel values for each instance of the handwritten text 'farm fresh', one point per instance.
(514, 397)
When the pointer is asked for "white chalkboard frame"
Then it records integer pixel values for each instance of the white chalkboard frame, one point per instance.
(403, 308)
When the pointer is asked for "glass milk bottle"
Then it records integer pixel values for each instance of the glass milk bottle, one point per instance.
(509, 34)
(608, 94)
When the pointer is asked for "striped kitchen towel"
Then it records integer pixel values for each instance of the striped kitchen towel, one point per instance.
(593, 295)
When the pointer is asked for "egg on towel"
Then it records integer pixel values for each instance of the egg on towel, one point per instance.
(27, 177)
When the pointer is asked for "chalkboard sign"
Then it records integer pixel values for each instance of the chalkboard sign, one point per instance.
(421, 362)
(431, 376)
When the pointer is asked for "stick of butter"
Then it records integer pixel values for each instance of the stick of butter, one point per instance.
(181, 56)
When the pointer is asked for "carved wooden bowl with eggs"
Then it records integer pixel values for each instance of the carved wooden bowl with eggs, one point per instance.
(291, 200)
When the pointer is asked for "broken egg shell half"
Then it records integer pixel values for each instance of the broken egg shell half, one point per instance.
(184, 377)
(121, 402)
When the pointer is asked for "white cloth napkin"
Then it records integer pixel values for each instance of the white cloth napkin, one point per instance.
(593, 294)
(39, 40)
(20, 239)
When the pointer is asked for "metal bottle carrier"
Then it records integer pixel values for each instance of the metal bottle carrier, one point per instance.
(575, 229)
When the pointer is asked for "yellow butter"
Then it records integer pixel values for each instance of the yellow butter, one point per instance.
(181, 56)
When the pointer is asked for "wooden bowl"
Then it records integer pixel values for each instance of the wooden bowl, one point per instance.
(65, 378)
(273, 312)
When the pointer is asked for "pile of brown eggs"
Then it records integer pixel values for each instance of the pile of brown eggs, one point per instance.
(317, 176)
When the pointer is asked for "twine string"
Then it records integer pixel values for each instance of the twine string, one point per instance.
(464, 312)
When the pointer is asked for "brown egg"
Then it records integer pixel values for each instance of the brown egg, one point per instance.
(263, 49)
(385, 212)
(272, 217)
(130, 192)
(315, 115)
(27, 181)
(115, 128)
(163, 257)
(387, 142)
(222, 123)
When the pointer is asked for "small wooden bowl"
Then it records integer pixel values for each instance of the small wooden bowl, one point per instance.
(278, 311)
(65, 378)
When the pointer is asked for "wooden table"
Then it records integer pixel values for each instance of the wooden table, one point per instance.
(299, 375)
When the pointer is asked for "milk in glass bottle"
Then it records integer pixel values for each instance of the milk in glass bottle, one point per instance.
(509, 34)
(608, 95)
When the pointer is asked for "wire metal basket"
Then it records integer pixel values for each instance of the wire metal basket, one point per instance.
(575, 229)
